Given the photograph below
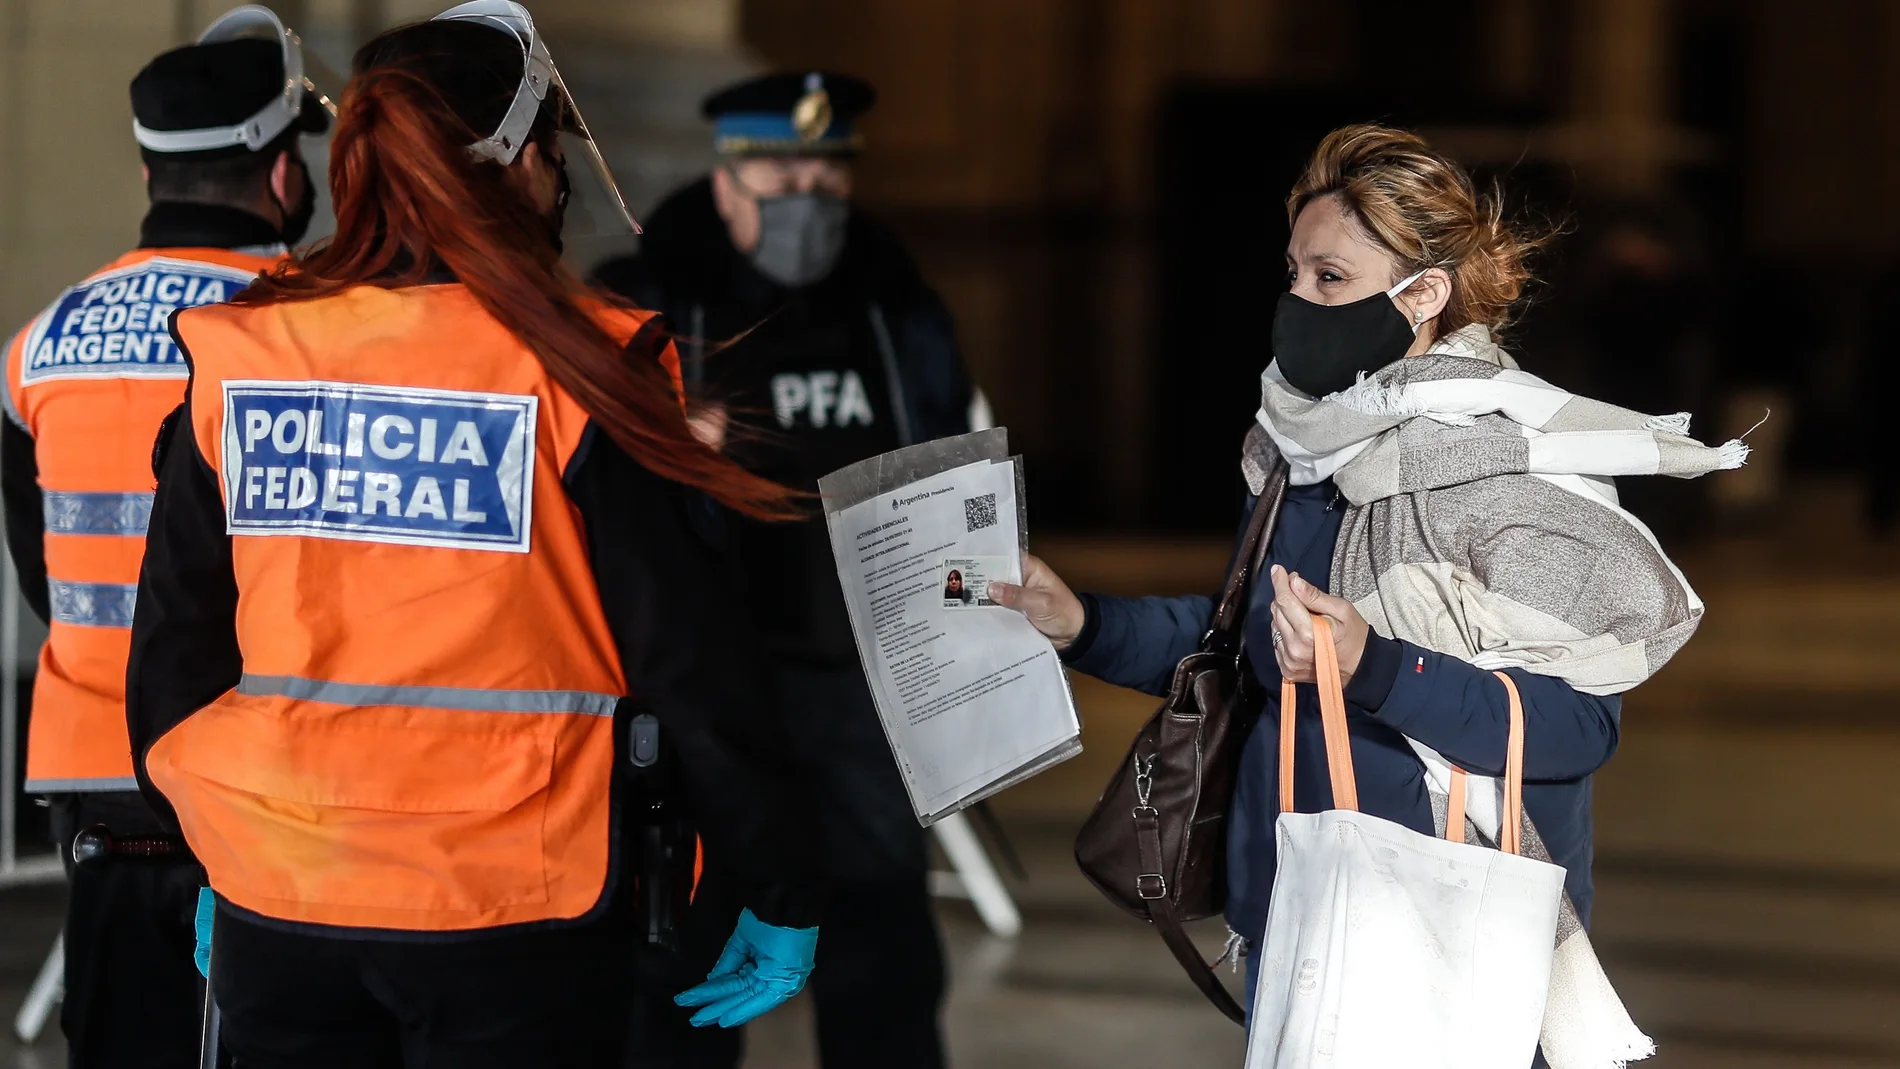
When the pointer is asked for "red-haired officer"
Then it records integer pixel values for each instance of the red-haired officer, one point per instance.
(87, 382)
(431, 532)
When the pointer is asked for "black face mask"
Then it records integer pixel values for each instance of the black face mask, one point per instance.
(297, 220)
(1322, 348)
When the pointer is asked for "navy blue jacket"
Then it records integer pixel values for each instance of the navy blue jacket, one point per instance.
(1399, 689)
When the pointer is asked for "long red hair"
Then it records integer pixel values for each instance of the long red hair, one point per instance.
(413, 204)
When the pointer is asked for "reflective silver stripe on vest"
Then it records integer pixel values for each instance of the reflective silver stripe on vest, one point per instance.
(92, 604)
(64, 786)
(96, 513)
(466, 699)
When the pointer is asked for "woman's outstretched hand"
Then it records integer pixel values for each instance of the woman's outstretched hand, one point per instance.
(1295, 603)
(1045, 599)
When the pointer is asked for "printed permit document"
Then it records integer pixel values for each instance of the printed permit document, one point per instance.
(972, 697)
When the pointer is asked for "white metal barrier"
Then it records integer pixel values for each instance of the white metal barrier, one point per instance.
(975, 877)
(47, 989)
(14, 869)
(43, 997)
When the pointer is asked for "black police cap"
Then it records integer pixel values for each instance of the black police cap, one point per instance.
(789, 113)
(199, 87)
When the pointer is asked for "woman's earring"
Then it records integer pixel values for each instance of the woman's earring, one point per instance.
(1418, 316)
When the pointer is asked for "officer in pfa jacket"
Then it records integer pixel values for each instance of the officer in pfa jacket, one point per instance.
(87, 382)
(429, 534)
(846, 353)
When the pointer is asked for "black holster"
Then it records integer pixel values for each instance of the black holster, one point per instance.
(664, 841)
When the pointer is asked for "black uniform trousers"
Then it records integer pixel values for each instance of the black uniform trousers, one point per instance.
(878, 987)
(547, 998)
(133, 995)
(531, 996)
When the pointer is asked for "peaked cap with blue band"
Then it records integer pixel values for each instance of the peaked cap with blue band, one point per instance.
(789, 114)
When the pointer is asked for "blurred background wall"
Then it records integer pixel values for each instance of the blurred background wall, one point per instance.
(73, 200)
(1096, 184)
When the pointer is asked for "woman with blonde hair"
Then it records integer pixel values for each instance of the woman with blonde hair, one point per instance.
(1448, 513)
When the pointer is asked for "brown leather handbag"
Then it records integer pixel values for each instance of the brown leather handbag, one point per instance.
(1156, 843)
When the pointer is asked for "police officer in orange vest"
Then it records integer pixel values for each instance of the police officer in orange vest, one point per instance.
(431, 533)
(87, 383)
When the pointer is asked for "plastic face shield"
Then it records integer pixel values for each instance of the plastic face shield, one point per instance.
(307, 84)
(595, 207)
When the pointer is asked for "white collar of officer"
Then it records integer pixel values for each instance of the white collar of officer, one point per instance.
(537, 71)
(251, 20)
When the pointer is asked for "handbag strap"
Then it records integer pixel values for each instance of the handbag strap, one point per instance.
(1332, 719)
(1455, 806)
(1511, 821)
(1232, 609)
(1509, 825)
(1161, 912)
(1222, 635)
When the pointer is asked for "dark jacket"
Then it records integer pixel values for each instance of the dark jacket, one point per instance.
(660, 565)
(1400, 689)
(855, 365)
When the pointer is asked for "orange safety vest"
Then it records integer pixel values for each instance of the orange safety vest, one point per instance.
(90, 379)
(423, 735)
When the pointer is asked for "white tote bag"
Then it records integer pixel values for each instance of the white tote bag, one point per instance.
(1389, 948)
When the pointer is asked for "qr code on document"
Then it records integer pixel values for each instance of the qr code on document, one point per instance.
(979, 512)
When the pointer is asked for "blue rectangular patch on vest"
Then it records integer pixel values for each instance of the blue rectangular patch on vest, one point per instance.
(115, 325)
(404, 465)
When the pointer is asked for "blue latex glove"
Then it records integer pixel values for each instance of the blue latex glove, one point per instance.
(762, 967)
(201, 923)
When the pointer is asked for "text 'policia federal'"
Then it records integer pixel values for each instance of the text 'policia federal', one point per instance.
(117, 324)
(403, 465)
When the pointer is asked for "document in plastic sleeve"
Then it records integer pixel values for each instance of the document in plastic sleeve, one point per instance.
(973, 698)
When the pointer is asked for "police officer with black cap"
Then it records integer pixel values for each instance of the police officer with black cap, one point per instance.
(88, 382)
(843, 352)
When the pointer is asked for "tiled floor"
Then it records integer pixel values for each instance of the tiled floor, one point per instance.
(1748, 848)
(1730, 965)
